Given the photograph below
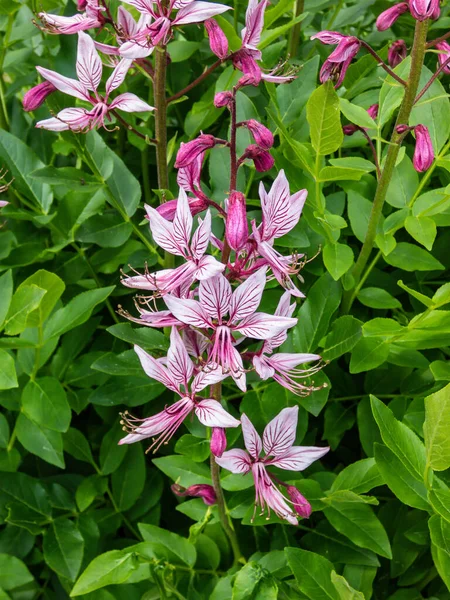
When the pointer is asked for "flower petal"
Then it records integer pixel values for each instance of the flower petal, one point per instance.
(298, 458)
(254, 22)
(263, 326)
(236, 461)
(162, 231)
(247, 296)
(143, 6)
(130, 103)
(279, 434)
(212, 414)
(200, 239)
(215, 296)
(155, 369)
(252, 439)
(72, 87)
(197, 12)
(208, 376)
(182, 222)
(89, 66)
(179, 362)
(208, 267)
(118, 75)
(188, 311)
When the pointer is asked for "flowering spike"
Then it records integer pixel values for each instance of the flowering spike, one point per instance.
(223, 99)
(262, 136)
(262, 159)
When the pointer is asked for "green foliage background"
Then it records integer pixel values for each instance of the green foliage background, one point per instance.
(73, 502)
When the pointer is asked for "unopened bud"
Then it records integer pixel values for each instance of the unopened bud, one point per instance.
(372, 111)
(424, 152)
(350, 129)
(403, 128)
(236, 224)
(301, 505)
(422, 10)
(217, 39)
(218, 443)
(396, 53)
(35, 97)
(262, 136)
(263, 160)
(389, 16)
(81, 4)
(204, 491)
(168, 209)
(190, 151)
(443, 56)
(222, 99)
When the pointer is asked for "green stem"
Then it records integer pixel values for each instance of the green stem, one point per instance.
(295, 32)
(4, 120)
(417, 57)
(425, 179)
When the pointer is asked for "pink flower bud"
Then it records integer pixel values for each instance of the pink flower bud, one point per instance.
(201, 490)
(222, 99)
(347, 48)
(422, 10)
(372, 111)
(190, 151)
(244, 61)
(424, 152)
(263, 160)
(397, 52)
(218, 443)
(403, 128)
(389, 16)
(236, 225)
(35, 97)
(350, 129)
(81, 4)
(168, 209)
(301, 505)
(217, 39)
(444, 55)
(262, 136)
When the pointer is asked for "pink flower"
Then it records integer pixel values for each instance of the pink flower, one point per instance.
(222, 99)
(389, 16)
(160, 30)
(216, 300)
(283, 367)
(199, 490)
(372, 111)
(280, 213)
(301, 505)
(217, 39)
(444, 56)
(262, 136)
(396, 53)
(89, 71)
(422, 10)
(424, 152)
(35, 97)
(279, 451)
(91, 19)
(176, 238)
(128, 30)
(218, 441)
(190, 151)
(175, 372)
(336, 65)
(236, 228)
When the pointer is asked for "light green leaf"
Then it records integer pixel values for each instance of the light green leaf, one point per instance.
(183, 470)
(345, 333)
(344, 589)
(6, 290)
(422, 229)
(436, 429)
(8, 377)
(356, 114)
(359, 477)
(44, 401)
(412, 258)
(109, 568)
(369, 353)
(63, 548)
(25, 301)
(377, 298)
(13, 572)
(323, 115)
(313, 574)
(170, 545)
(440, 547)
(246, 581)
(338, 259)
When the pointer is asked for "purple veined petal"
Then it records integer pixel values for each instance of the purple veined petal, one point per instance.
(72, 87)
(181, 4)
(271, 78)
(254, 22)
(75, 119)
(215, 296)
(263, 326)
(140, 282)
(269, 496)
(208, 267)
(143, 6)
(197, 12)
(162, 232)
(118, 75)
(328, 37)
(285, 307)
(252, 439)
(182, 222)
(262, 367)
(297, 202)
(188, 311)
(179, 363)
(209, 376)
(279, 434)
(275, 206)
(298, 458)
(247, 296)
(286, 361)
(69, 25)
(89, 66)
(107, 49)
(130, 103)
(126, 22)
(200, 239)
(347, 48)
(212, 414)
(189, 177)
(135, 50)
(3, 203)
(236, 461)
(156, 370)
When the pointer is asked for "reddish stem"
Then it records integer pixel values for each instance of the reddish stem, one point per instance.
(433, 78)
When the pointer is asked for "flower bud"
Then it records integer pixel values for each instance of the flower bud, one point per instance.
(396, 53)
(218, 443)
(424, 152)
(217, 39)
(168, 209)
(222, 99)
(81, 4)
(350, 129)
(262, 159)
(262, 136)
(35, 97)
(190, 151)
(403, 128)
(201, 490)
(236, 225)
(389, 16)
(244, 61)
(372, 111)
(301, 505)
(443, 56)
(422, 10)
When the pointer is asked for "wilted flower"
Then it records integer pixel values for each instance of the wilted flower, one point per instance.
(422, 10)
(199, 490)
(190, 151)
(336, 65)
(175, 372)
(397, 53)
(424, 152)
(35, 97)
(278, 439)
(236, 228)
(444, 56)
(89, 71)
(90, 19)
(262, 159)
(389, 16)
(217, 39)
(222, 99)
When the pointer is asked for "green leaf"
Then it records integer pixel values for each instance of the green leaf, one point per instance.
(193, 447)
(352, 517)
(436, 429)
(399, 480)
(68, 176)
(4, 431)
(391, 93)
(421, 297)
(174, 547)
(183, 470)
(44, 401)
(439, 497)
(323, 115)
(129, 479)
(77, 446)
(63, 548)
(28, 497)
(39, 440)
(440, 547)
(89, 489)
(109, 568)
(111, 453)
(315, 313)
(25, 301)
(345, 333)
(147, 338)
(13, 572)
(6, 290)
(377, 298)
(313, 574)
(130, 390)
(8, 377)
(246, 581)
(369, 353)
(107, 230)
(54, 287)
(409, 257)
(359, 477)
(338, 259)
(21, 161)
(356, 114)
(422, 229)
(76, 312)
(344, 589)
(338, 420)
